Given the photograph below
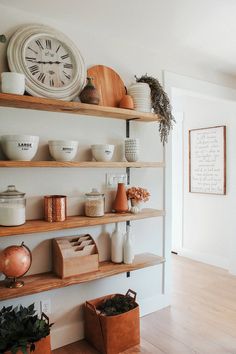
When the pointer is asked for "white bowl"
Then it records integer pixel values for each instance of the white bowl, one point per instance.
(63, 150)
(13, 83)
(102, 152)
(132, 156)
(20, 147)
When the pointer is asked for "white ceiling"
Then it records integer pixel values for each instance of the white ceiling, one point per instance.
(201, 29)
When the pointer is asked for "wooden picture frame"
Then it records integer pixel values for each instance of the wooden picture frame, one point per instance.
(207, 160)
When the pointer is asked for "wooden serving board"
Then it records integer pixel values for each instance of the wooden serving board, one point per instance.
(110, 86)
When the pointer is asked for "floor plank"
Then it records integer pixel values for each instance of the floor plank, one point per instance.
(200, 320)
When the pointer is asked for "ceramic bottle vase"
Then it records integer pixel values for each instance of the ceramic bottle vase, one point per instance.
(117, 244)
(89, 94)
(121, 202)
(128, 247)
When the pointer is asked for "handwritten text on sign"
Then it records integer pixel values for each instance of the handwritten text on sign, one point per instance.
(207, 165)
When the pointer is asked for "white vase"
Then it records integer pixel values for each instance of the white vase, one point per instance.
(135, 206)
(117, 244)
(13, 83)
(128, 247)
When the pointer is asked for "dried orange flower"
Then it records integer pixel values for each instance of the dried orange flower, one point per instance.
(138, 194)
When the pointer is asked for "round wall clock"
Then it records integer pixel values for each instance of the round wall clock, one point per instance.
(52, 64)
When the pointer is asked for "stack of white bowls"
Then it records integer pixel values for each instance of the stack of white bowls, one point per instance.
(141, 95)
(132, 149)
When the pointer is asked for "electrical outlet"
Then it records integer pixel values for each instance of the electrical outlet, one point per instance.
(112, 179)
(45, 306)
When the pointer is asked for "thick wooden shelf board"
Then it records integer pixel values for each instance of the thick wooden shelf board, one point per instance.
(51, 105)
(37, 226)
(48, 281)
(82, 164)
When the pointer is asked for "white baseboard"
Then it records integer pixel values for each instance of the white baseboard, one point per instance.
(67, 334)
(75, 331)
(205, 258)
(153, 304)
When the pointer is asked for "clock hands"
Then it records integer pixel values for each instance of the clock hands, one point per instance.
(49, 62)
(45, 62)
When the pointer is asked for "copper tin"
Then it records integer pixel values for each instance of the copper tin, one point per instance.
(55, 208)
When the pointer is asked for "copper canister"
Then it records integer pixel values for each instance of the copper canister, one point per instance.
(55, 208)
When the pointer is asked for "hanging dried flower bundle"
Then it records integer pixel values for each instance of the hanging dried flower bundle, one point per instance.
(160, 104)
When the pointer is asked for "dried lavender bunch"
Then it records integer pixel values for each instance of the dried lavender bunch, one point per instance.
(161, 105)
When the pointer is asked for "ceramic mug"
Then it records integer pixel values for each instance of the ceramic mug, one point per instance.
(13, 83)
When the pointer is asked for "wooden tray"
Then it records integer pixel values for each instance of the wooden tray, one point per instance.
(74, 255)
(110, 86)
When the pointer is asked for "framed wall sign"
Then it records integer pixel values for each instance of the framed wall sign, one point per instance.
(207, 160)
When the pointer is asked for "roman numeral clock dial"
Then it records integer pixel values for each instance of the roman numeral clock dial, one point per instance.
(52, 64)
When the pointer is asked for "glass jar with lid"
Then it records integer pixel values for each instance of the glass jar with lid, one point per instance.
(94, 203)
(12, 207)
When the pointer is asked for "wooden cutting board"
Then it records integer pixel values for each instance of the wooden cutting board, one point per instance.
(110, 86)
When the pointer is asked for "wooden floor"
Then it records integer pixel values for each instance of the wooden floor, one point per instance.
(201, 319)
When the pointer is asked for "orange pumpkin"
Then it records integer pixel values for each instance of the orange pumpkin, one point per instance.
(127, 102)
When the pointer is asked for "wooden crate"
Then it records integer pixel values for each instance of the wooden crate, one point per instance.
(74, 255)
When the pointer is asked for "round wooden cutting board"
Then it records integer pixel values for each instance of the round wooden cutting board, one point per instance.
(110, 86)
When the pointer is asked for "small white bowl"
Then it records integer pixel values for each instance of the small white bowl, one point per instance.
(20, 147)
(132, 156)
(13, 83)
(63, 150)
(102, 152)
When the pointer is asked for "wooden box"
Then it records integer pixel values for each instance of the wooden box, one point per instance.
(74, 255)
(111, 334)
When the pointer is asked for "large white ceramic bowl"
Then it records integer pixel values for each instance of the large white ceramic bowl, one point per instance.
(20, 147)
(102, 152)
(63, 150)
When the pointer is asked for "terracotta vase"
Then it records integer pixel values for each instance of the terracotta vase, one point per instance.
(43, 346)
(121, 202)
(89, 94)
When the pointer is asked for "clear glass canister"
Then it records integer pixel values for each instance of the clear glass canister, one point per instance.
(12, 207)
(94, 203)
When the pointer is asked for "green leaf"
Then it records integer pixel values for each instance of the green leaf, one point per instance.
(19, 328)
(3, 38)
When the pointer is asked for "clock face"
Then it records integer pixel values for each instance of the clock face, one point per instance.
(49, 62)
(52, 64)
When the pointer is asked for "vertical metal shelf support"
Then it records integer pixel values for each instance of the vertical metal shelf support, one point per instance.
(127, 134)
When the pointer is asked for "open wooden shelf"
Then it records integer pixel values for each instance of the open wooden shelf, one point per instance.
(82, 164)
(48, 281)
(51, 105)
(37, 226)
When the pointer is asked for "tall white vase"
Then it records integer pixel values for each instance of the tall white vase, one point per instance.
(117, 244)
(128, 247)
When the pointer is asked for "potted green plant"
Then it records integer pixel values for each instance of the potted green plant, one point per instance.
(23, 331)
(111, 322)
(160, 104)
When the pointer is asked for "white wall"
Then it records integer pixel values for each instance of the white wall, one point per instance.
(208, 220)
